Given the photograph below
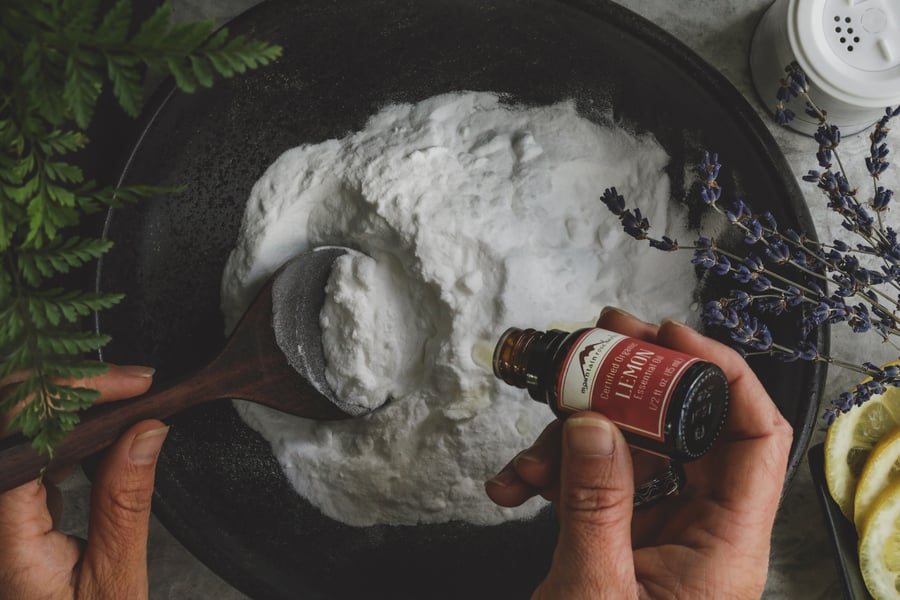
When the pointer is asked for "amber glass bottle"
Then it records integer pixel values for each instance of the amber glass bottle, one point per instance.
(663, 401)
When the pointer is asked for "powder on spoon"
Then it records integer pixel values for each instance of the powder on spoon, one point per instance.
(471, 215)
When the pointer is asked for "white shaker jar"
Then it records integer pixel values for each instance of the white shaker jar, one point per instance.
(849, 50)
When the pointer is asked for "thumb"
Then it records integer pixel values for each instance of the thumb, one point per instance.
(595, 506)
(115, 560)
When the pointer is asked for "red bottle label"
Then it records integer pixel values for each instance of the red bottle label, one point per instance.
(628, 380)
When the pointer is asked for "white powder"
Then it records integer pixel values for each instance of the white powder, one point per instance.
(473, 216)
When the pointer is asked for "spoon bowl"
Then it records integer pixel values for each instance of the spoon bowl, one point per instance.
(274, 357)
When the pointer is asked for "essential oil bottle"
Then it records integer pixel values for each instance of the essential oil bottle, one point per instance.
(662, 400)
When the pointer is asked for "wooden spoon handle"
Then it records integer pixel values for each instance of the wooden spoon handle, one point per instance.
(99, 427)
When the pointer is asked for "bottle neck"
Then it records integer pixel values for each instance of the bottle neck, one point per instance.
(510, 359)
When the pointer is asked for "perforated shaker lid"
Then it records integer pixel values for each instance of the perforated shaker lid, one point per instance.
(851, 48)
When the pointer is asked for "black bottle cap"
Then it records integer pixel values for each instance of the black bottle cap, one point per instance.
(703, 412)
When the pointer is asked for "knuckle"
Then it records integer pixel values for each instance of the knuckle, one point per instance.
(129, 500)
(783, 432)
(591, 502)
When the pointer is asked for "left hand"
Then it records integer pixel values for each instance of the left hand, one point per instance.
(37, 561)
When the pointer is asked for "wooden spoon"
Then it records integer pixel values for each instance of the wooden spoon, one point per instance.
(252, 366)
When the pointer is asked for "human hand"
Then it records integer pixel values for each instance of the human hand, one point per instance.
(38, 561)
(710, 541)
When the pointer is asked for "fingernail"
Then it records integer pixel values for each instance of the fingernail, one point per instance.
(590, 437)
(676, 323)
(530, 455)
(608, 310)
(504, 477)
(146, 446)
(137, 371)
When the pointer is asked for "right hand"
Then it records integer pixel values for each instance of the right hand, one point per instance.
(710, 541)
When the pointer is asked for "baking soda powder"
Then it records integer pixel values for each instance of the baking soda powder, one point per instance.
(470, 215)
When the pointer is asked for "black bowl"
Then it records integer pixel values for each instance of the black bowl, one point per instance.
(219, 488)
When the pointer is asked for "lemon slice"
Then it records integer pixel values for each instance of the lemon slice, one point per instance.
(879, 546)
(882, 469)
(850, 440)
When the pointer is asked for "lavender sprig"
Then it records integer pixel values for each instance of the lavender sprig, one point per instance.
(865, 299)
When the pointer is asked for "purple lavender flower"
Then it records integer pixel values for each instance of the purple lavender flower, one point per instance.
(766, 275)
(709, 168)
(828, 136)
(710, 195)
(613, 201)
(666, 244)
(784, 115)
(778, 252)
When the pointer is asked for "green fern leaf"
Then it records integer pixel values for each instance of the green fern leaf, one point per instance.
(127, 82)
(61, 141)
(220, 64)
(114, 27)
(238, 54)
(59, 256)
(37, 224)
(62, 196)
(131, 194)
(215, 41)
(185, 37)
(82, 369)
(18, 170)
(56, 306)
(64, 172)
(18, 357)
(22, 194)
(13, 327)
(82, 87)
(72, 398)
(57, 56)
(202, 71)
(18, 395)
(153, 31)
(184, 78)
(52, 413)
(33, 63)
(9, 217)
(78, 15)
(70, 342)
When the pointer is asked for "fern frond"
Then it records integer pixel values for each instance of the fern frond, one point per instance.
(52, 413)
(22, 194)
(202, 70)
(63, 172)
(153, 30)
(237, 54)
(55, 306)
(71, 343)
(186, 37)
(19, 394)
(17, 358)
(61, 141)
(55, 58)
(78, 15)
(48, 213)
(128, 87)
(17, 171)
(126, 194)
(59, 256)
(184, 77)
(83, 85)
(81, 369)
(113, 28)
(13, 328)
